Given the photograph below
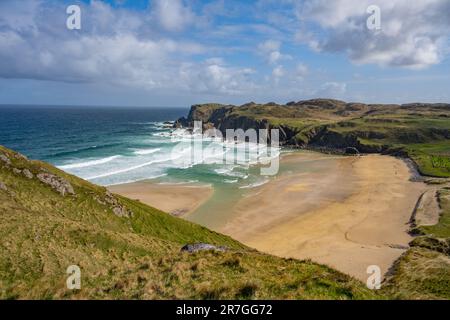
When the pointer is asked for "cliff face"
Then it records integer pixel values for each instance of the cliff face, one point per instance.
(333, 124)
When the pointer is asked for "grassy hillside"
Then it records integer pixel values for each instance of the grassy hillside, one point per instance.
(423, 272)
(420, 131)
(50, 220)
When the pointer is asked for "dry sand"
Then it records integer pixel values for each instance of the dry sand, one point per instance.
(175, 199)
(428, 210)
(368, 227)
(346, 212)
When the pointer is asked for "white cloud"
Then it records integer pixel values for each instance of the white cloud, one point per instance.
(109, 48)
(270, 46)
(413, 34)
(214, 77)
(332, 90)
(301, 71)
(173, 15)
(277, 73)
(271, 51)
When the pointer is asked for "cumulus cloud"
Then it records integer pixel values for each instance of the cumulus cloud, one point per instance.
(166, 47)
(332, 90)
(214, 76)
(301, 71)
(413, 34)
(114, 46)
(278, 72)
(173, 15)
(271, 51)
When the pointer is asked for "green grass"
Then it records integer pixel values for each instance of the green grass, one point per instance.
(423, 272)
(422, 131)
(442, 229)
(433, 159)
(42, 233)
(422, 137)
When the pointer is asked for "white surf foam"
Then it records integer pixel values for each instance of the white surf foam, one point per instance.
(146, 151)
(88, 163)
(255, 185)
(145, 164)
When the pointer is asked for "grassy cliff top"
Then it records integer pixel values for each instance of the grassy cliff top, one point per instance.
(50, 220)
(421, 131)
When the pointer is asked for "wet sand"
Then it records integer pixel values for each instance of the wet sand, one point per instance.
(175, 199)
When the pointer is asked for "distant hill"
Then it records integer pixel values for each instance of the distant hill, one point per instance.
(50, 220)
(420, 131)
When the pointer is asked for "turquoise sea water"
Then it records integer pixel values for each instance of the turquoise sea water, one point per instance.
(113, 145)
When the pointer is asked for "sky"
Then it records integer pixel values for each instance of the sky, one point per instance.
(180, 52)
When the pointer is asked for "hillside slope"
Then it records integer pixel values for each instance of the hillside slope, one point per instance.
(50, 220)
(423, 272)
(420, 131)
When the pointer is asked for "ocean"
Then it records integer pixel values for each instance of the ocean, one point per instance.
(116, 145)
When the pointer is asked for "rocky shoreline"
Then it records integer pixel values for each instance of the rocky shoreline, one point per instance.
(336, 136)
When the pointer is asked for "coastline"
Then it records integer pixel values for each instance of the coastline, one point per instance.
(346, 212)
(176, 199)
(370, 227)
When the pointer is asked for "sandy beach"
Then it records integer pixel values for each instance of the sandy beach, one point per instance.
(176, 199)
(346, 212)
(369, 227)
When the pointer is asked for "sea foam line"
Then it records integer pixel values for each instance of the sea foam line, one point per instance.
(131, 168)
(146, 151)
(88, 163)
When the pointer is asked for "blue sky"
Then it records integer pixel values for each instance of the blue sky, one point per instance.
(179, 52)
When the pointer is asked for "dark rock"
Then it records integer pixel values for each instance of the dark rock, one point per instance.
(181, 123)
(439, 245)
(59, 184)
(191, 248)
(179, 212)
(351, 151)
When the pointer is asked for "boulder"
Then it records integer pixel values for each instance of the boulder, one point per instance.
(117, 208)
(191, 248)
(59, 184)
(27, 173)
(3, 186)
(4, 158)
(20, 156)
(122, 212)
